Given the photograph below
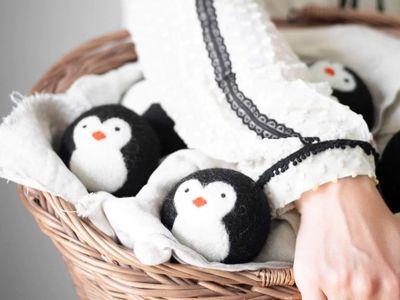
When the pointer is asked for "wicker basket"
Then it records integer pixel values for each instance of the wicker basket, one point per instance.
(102, 269)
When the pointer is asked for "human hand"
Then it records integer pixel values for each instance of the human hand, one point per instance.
(348, 245)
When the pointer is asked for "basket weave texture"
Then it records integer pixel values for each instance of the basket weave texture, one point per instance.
(102, 269)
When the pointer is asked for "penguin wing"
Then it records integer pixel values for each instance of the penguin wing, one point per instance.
(248, 227)
(168, 211)
(163, 125)
(67, 146)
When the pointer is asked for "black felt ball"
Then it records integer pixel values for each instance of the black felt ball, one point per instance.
(163, 126)
(359, 100)
(111, 148)
(220, 213)
(348, 87)
(388, 172)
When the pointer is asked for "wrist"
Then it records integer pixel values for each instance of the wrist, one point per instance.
(347, 191)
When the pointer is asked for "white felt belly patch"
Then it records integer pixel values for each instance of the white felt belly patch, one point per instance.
(210, 239)
(99, 169)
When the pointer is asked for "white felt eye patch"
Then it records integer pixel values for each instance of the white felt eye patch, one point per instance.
(91, 132)
(214, 199)
(335, 74)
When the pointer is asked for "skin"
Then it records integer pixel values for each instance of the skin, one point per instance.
(348, 247)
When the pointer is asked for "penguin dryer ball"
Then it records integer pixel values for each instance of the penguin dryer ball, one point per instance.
(111, 148)
(222, 214)
(347, 86)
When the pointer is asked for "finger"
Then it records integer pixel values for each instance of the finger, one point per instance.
(338, 286)
(390, 287)
(365, 287)
(340, 295)
(312, 294)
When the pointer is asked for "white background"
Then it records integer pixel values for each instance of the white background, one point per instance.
(33, 35)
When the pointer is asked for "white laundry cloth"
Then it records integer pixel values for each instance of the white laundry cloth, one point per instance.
(30, 135)
(372, 54)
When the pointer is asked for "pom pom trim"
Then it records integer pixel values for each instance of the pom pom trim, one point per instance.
(313, 149)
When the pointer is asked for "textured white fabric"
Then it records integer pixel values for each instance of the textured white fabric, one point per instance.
(30, 135)
(370, 53)
(182, 79)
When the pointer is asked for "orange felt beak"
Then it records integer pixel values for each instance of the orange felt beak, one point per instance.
(98, 135)
(330, 71)
(199, 202)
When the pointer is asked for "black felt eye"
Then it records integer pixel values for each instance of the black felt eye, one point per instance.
(187, 190)
(84, 126)
(117, 129)
(346, 80)
(223, 195)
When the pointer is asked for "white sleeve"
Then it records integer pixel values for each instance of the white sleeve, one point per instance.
(238, 93)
